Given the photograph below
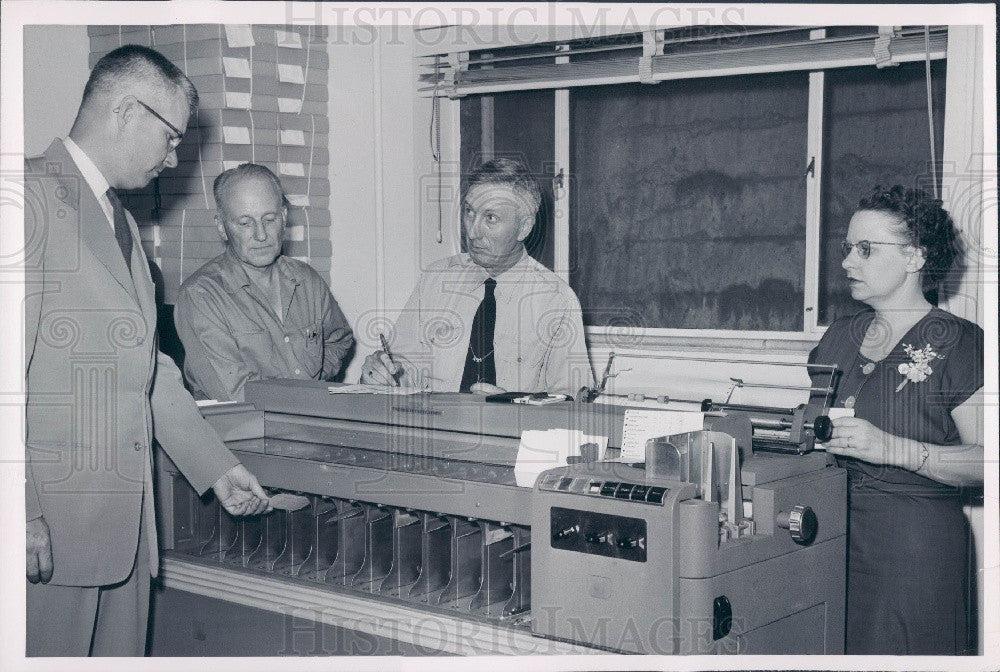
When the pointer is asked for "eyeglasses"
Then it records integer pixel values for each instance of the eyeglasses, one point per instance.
(864, 247)
(176, 138)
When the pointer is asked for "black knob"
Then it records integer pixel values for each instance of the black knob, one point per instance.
(801, 523)
(822, 428)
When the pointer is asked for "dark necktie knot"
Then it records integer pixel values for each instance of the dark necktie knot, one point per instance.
(122, 233)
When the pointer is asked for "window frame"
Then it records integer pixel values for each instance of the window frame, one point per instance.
(716, 340)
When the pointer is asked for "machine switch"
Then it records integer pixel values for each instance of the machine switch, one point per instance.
(656, 495)
(624, 490)
(566, 533)
(598, 537)
(639, 492)
(609, 488)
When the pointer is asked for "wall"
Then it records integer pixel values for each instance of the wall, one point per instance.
(53, 83)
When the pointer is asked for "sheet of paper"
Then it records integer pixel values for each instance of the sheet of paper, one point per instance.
(236, 135)
(292, 136)
(213, 402)
(236, 67)
(360, 388)
(835, 413)
(294, 169)
(239, 35)
(290, 74)
(291, 105)
(642, 425)
(288, 39)
(286, 501)
(238, 100)
(545, 449)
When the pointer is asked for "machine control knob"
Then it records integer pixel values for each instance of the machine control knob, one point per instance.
(627, 542)
(598, 537)
(822, 428)
(801, 523)
(566, 533)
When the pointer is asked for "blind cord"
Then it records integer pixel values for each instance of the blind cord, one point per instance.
(435, 141)
(930, 108)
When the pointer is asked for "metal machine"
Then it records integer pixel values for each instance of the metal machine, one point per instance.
(413, 504)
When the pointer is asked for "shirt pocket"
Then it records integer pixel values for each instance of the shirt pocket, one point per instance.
(312, 347)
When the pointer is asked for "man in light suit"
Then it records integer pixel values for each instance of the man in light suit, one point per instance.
(98, 389)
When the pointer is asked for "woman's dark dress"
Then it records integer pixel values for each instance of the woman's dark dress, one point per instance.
(907, 586)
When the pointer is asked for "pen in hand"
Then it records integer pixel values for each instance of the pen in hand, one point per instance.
(388, 353)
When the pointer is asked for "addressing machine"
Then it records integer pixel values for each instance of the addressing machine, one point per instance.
(729, 538)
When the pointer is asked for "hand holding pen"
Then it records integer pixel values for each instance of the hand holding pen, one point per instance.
(380, 367)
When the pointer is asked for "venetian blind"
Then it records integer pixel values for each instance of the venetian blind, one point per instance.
(465, 61)
(263, 98)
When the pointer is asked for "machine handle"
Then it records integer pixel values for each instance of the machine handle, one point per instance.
(801, 523)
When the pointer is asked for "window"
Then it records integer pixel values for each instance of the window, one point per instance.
(712, 196)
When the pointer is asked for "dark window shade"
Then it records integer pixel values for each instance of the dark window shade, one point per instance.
(874, 132)
(689, 202)
(523, 126)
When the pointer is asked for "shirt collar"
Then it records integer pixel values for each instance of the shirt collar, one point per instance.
(236, 276)
(93, 176)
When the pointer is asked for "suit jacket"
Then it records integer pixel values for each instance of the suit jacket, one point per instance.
(98, 389)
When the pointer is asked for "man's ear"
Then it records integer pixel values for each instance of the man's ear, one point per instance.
(222, 229)
(125, 112)
(917, 260)
(524, 228)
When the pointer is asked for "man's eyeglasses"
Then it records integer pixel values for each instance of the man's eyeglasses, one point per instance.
(177, 136)
(864, 247)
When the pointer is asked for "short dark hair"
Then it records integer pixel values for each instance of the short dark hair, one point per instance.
(508, 172)
(242, 171)
(928, 225)
(134, 61)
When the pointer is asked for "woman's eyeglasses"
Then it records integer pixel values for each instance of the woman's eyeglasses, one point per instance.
(864, 247)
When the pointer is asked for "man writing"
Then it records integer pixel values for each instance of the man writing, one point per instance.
(252, 312)
(98, 389)
(493, 319)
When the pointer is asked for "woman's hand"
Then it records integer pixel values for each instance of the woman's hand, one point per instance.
(860, 439)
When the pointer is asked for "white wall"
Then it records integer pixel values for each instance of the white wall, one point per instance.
(379, 161)
(55, 71)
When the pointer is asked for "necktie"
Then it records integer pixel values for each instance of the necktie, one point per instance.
(479, 363)
(122, 233)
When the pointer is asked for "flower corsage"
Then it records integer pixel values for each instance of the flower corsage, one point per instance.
(919, 366)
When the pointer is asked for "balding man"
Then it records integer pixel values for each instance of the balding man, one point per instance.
(98, 389)
(492, 319)
(251, 312)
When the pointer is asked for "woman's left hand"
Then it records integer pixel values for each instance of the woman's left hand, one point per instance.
(860, 439)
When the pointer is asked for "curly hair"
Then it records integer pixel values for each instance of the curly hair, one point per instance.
(928, 225)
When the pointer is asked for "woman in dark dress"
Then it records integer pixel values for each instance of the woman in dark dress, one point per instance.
(913, 374)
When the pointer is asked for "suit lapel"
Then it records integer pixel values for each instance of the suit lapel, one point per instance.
(95, 230)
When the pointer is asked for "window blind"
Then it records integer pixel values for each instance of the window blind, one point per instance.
(263, 98)
(658, 55)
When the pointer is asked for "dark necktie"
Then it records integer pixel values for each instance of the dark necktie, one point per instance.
(122, 233)
(479, 363)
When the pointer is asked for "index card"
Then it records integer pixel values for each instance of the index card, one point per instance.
(239, 35)
(642, 424)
